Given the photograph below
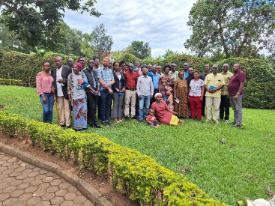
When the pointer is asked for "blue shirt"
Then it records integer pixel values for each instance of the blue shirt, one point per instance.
(155, 79)
(186, 74)
(106, 75)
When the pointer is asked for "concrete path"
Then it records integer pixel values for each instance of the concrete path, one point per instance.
(22, 184)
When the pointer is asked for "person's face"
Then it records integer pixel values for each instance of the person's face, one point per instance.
(225, 68)
(58, 62)
(180, 75)
(158, 98)
(137, 65)
(82, 61)
(70, 62)
(214, 70)
(185, 68)
(106, 62)
(236, 67)
(76, 70)
(46, 66)
(96, 63)
(191, 70)
(196, 75)
(173, 68)
(154, 70)
(166, 70)
(116, 67)
(91, 63)
(144, 71)
(151, 112)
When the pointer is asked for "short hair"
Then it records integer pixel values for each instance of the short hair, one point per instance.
(116, 63)
(196, 71)
(165, 66)
(225, 65)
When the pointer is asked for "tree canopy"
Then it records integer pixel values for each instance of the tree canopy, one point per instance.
(230, 27)
(36, 22)
(101, 42)
(140, 49)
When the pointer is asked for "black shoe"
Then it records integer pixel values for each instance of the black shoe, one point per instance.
(95, 126)
(63, 125)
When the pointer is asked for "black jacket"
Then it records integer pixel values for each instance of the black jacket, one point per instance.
(116, 84)
(66, 70)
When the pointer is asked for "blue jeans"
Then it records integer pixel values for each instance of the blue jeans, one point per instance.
(47, 107)
(105, 105)
(144, 104)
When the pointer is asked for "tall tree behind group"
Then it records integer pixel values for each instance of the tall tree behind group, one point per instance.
(230, 27)
(140, 49)
(101, 42)
(36, 22)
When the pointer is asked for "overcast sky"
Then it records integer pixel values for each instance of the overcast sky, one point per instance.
(162, 23)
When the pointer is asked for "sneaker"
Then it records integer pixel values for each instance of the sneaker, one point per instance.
(238, 126)
(226, 122)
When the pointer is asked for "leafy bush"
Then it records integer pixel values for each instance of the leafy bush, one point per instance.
(136, 175)
(24, 67)
(125, 56)
(260, 86)
(10, 82)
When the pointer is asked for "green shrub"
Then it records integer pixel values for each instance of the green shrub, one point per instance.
(260, 85)
(134, 174)
(10, 82)
(24, 67)
(125, 56)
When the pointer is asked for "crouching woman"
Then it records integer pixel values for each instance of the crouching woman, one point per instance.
(163, 114)
(77, 83)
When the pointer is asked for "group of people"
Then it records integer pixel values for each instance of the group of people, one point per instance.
(117, 91)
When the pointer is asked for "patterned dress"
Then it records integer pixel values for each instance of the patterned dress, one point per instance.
(181, 93)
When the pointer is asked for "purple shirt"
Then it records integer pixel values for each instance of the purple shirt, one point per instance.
(235, 82)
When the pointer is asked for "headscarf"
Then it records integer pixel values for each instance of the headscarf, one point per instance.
(157, 94)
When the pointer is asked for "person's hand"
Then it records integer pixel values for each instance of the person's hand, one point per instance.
(117, 90)
(201, 98)
(110, 91)
(236, 97)
(53, 90)
(60, 81)
(44, 99)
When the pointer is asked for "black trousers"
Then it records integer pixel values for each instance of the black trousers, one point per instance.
(224, 107)
(203, 106)
(91, 103)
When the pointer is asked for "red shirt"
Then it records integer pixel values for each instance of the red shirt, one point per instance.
(235, 82)
(131, 79)
(162, 112)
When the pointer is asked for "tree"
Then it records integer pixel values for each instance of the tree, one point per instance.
(230, 27)
(139, 49)
(35, 21)
(101, 42)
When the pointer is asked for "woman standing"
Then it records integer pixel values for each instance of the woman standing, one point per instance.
(165, 83)
(77, 83)
(196, 96)
(163, 114)
(181, 96)
(119, 91)
(44, 89)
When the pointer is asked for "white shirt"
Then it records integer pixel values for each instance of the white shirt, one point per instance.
(58, 85)
(195, 87)
(145, 86)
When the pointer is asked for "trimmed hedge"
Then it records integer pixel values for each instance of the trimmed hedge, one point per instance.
(132, 173)
(259, 90)
(10, 82)
(24, 67)
(260, 85)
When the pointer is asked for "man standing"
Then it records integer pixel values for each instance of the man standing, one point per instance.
(145, 91)
(185, 71)
(155, 78)
(235, 89)
(70, 63)
(213, 85)
(92, 93)
(60, 75)
(225, 102)
(106, 80)
(130, 94)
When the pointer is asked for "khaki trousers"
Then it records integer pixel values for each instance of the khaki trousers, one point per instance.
(212, 106)
(63, 111)
(130, 102)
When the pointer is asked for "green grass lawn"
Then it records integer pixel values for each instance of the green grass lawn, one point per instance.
(242, 166)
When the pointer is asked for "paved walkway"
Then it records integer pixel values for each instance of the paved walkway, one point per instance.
(22, 184)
